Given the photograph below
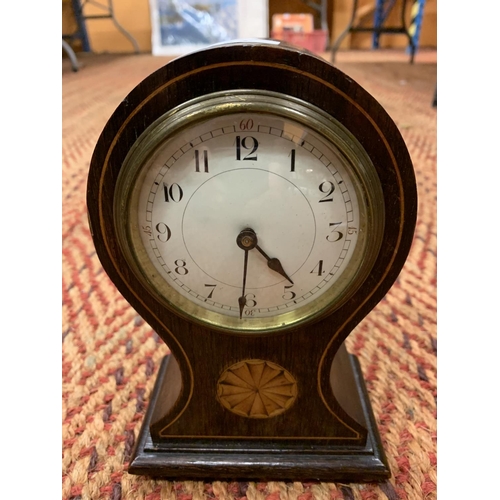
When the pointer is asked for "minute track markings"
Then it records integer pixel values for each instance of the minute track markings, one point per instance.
(260, 129)
(295, 141)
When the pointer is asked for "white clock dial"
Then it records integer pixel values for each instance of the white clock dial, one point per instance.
(270, 178)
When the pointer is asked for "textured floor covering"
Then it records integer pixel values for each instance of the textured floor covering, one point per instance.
(110, 356)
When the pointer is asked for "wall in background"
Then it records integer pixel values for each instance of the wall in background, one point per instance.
(134, 16)
(68, 19)
(365, 14)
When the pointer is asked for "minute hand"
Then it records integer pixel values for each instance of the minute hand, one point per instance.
(274, 264)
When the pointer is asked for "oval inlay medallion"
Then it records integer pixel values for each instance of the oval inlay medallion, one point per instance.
(256, 389)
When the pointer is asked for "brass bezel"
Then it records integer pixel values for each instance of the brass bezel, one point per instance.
(355, 159)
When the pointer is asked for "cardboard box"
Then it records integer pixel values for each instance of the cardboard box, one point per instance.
(297, 23)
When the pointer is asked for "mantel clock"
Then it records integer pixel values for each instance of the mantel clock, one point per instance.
(253, 204)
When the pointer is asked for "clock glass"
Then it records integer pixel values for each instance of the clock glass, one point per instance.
(250, 211)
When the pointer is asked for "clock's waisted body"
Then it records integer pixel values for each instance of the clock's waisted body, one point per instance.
(253, 204)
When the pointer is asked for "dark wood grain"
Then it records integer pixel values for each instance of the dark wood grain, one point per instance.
(316, 419)
(265, 460)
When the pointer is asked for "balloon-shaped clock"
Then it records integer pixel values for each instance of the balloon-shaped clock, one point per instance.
(253, 204)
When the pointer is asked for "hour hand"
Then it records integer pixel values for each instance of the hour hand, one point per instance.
(274, 264)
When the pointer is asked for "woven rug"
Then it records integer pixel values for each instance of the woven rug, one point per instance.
(111, 356)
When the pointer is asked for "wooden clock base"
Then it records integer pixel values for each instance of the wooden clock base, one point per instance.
(245, 460)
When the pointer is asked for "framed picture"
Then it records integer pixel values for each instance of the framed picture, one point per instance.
(181, 26)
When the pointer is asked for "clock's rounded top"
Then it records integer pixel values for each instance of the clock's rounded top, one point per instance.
(235, 71)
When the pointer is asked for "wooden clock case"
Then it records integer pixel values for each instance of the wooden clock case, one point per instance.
(327, 431)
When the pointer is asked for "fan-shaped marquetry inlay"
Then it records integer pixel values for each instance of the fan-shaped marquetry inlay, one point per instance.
(256, 389)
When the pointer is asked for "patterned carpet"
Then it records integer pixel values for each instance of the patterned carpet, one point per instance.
(111, 357)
